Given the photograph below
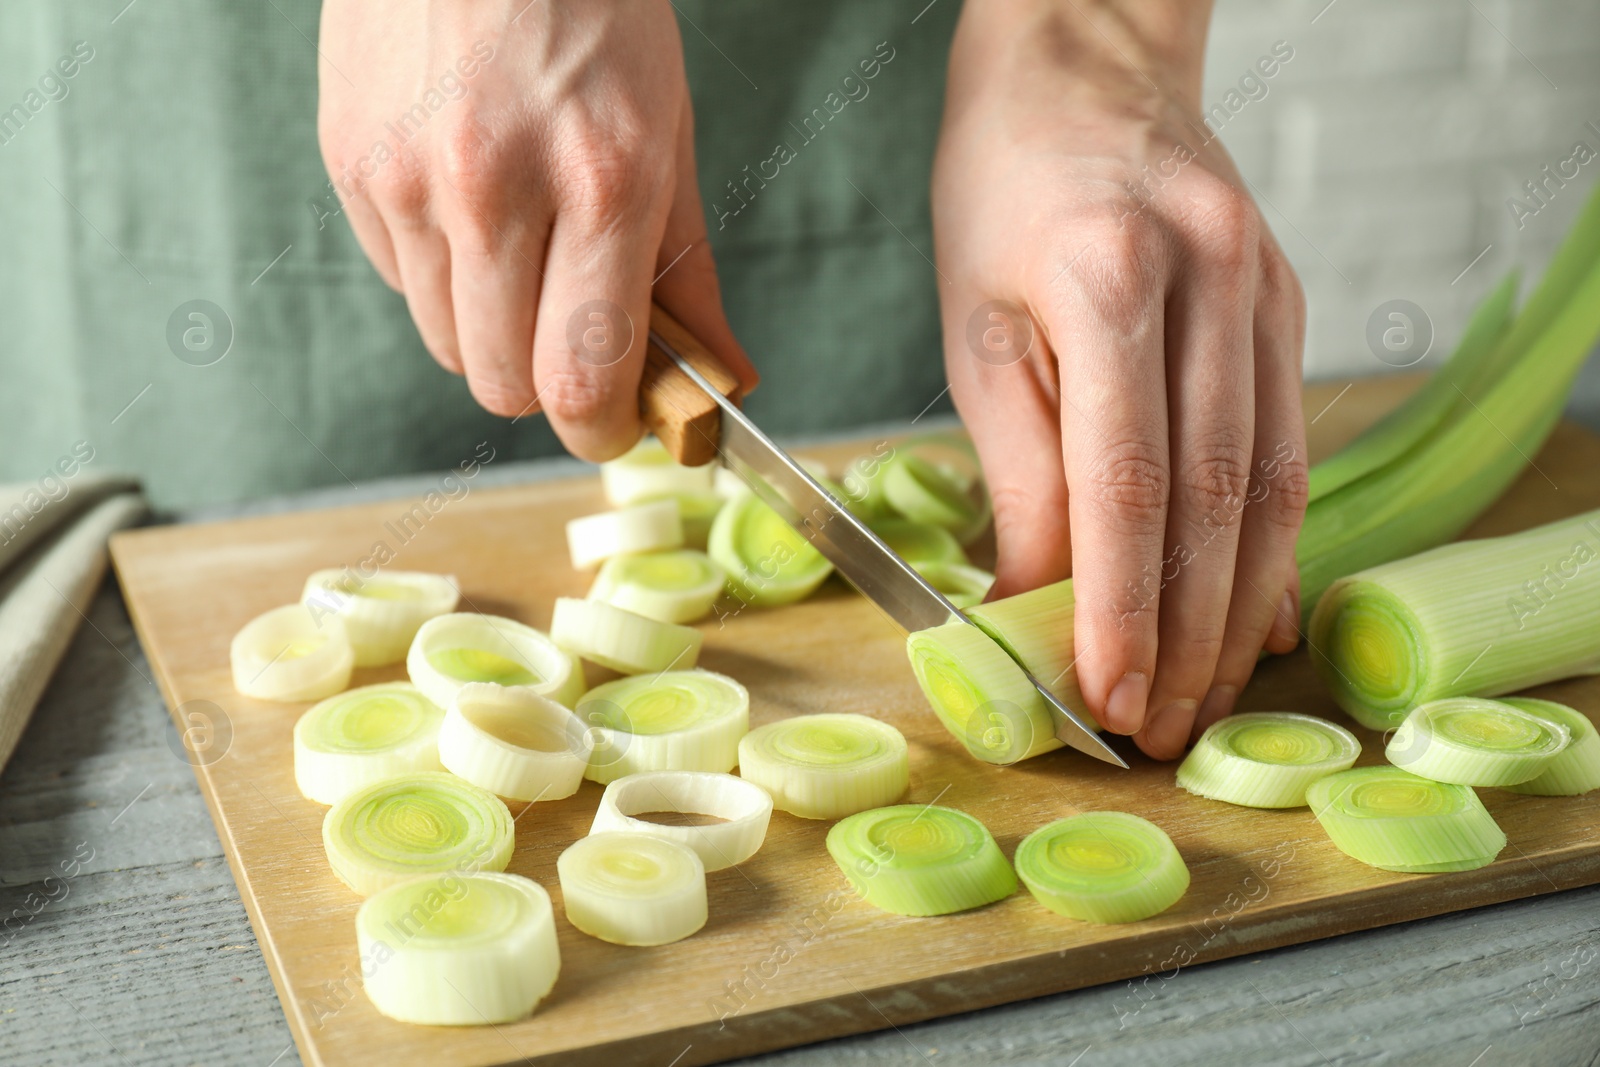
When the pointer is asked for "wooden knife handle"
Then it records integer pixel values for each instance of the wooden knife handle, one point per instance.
(674, 408)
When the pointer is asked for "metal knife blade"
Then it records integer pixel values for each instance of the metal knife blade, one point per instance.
(854, 550)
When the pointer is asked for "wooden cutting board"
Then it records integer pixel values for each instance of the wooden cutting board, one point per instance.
(789, 956)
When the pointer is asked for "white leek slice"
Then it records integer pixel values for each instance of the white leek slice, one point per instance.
(741, 808)
(920, 859)
(1475, 741)
(640, 528)
(768, 562)
(1396, 821)
(426, 823)
(381, 614)
(362, 736)
(827, 766)
(287, 655)
(648, 471)
(919, 543)
(1576, 769)
(459, 949)
(676, 586)
(963, 585)
(696, 513)
(454, 650)
(622, 640)
(1103, 867)
(1266, 759)
(514, 743)
(674, 720)
(633, 889)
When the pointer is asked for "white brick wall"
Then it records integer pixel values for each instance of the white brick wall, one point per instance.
(1391, 141)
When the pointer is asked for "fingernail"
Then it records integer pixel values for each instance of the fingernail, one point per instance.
(1125, 707)
(1286, 627)
(1217, 704)
(1168, 731)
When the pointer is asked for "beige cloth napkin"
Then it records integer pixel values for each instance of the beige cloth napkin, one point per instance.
(53, 564)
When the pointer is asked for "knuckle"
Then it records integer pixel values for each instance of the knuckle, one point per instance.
(469, 162)
(613, 179)
(1216, 483)
(495, 396)
(1118, 275)
(1132, 483)
(574, 397)
(1283, 503)
(1225, 229)
(1281, 286)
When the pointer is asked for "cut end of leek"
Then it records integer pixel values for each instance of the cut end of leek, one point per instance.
(1103, 867)
(381, 614)
(290, 654)
(677, 586)
(1576, 768)
(622, 640)
(514, 743)
(920, 859)
(415, 824)
(1036, 629)
(742, 810)
(363, 736)
(458, 649)
(648, 527)
(633, 889)
(458, 949)
(1473, 741)
(827, 766)
(767, 562)
(674, 720)
(1266, 759)
(980, 694)
(1397, 821)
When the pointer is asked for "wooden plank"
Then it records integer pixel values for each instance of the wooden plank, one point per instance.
(788, 956)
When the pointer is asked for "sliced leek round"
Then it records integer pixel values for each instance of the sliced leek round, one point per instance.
(741, 811)
(980, 694)
(426, 823)
(287, 654)
(767, 562)
(862, 482)
(622, 640)
(696, 513)
(1102, 867)
(638, 528)
(827, 766)
(362, 736)
(1576, 768)
(1266, 759)
(920, 859)
(963, 585)
(919, 543)
(1473, 741)
(923, 491)
(677, 586)
(674, 720)
(1397, 821)
(454, 650)
(458, 949)
(514, 743)
(633, 889)
(381, 614)
(647, 472)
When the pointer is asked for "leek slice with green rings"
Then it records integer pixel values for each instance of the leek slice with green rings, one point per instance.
(290, 654)
(980, 694)
(1266, 759)
(1474, 618)
(638, 528)
(457, 649)
(381, 614)
(675, 586)
(862, 482)
(426, 823)
(696, 513)
(688, 720)
(622, 640)
(1576, 768)
(963, 585)
(920, 859)
(1475, 741)
(925, 492)
(768, 563)
(458, 949)
(1397, 821)
(648, 472)
(739, 812)
(1103, 867)
(633, 889)
(827, 766)
(919, 542)
(514, 743)
(362, 736)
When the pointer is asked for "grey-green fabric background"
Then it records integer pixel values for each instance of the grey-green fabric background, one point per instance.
(179, 162)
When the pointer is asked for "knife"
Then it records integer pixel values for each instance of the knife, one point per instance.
(689, 400)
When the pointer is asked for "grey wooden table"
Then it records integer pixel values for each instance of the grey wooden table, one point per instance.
(123, 940)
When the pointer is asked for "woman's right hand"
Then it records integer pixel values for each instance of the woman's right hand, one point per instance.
(525, 176)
